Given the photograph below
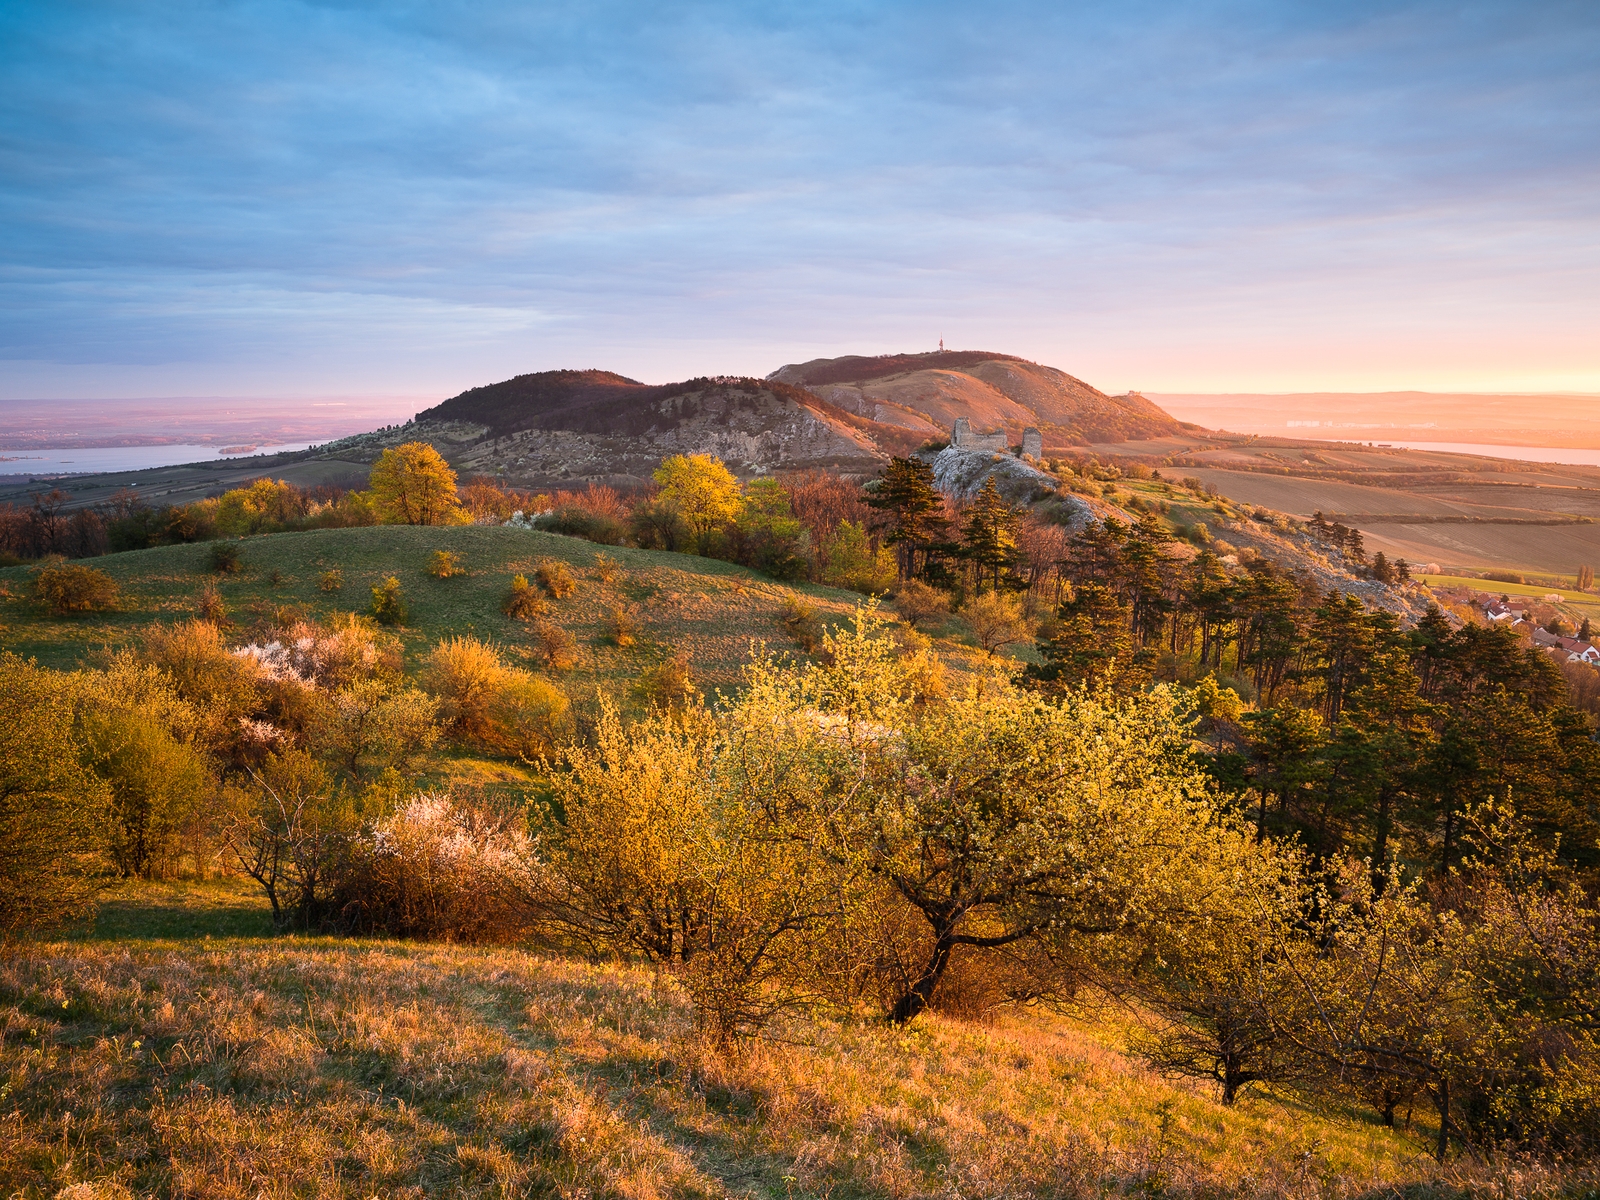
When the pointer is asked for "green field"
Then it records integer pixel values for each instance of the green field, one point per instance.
(1573, 602)
(712, 611)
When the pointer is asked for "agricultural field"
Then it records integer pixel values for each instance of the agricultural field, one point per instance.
(1464, 512)
(173, 1046)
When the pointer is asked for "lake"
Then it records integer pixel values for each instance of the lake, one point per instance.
(79, 460)
(1538, 454)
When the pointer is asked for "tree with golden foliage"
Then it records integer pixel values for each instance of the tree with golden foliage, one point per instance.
(413, 485)
(703, 492)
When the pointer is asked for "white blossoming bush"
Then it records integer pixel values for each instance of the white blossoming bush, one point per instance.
(434, 869)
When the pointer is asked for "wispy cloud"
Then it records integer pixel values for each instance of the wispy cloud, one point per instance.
(311, 196)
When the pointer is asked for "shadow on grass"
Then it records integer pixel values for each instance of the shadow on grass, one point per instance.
(179, 911)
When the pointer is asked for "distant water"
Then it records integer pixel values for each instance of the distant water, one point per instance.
(1538, 454)
(119, 458)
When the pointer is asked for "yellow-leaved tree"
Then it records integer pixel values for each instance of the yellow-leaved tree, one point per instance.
(413, 485)
(703, 492)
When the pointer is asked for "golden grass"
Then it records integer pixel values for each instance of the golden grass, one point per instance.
(224, 1066)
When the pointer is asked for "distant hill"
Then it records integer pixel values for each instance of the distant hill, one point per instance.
(929, 391)
(561, 426)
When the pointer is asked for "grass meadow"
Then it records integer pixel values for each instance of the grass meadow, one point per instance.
(176, 1048)
(707, 609)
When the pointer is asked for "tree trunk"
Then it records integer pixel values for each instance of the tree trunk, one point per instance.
(920, 993)
(1380, 843)
(1444, 1119)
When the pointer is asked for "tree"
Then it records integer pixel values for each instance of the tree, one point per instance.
(765, 534)
(996, 620)
(1585, 579)
(913, 512)
(680, 840)
(139, 738)
(1206, 984)
(849, 560)
(51, 808)
(701, 491)
(289, 830)
(1006, 818)
(372, 727)
(1091, 643)
(413, 485)
(989, 535)
(259, 506)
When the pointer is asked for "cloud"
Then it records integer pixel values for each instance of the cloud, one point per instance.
(449, 193)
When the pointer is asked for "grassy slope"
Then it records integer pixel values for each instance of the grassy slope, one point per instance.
(708, 609)
(178, 1049)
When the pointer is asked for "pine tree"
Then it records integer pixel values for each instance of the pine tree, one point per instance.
(1354, 546)
(990, 536)
(914, 509)
(1091, 642)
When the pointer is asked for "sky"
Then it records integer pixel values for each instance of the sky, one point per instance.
(237, 198)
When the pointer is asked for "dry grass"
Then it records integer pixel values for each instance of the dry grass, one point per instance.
(249, 1066)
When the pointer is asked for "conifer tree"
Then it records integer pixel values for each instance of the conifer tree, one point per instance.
(914, 512)
(989, 538)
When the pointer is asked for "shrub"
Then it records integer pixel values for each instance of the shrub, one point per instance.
(556, 648)
(606, 568)
(211, 607)
(996, 620)
(332, 658)
(50, 807)
(622, 626)
(137, 737)
(522, 602)
(224, 558)
(331, 580)
(388, 603)
(291, 832)
(917, 602)
(666, 685)
(444, 564)
(577, 522)
(71, 587)
(849, 561)
(495, 706)
(556, 578)
(436, 870)
(801, 620)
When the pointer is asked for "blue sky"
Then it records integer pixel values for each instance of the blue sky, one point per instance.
(357, 198)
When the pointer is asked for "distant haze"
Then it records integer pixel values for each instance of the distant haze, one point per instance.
(1507, 420)
(195, 420)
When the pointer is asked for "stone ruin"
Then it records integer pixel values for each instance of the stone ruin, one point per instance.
(962, 438)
